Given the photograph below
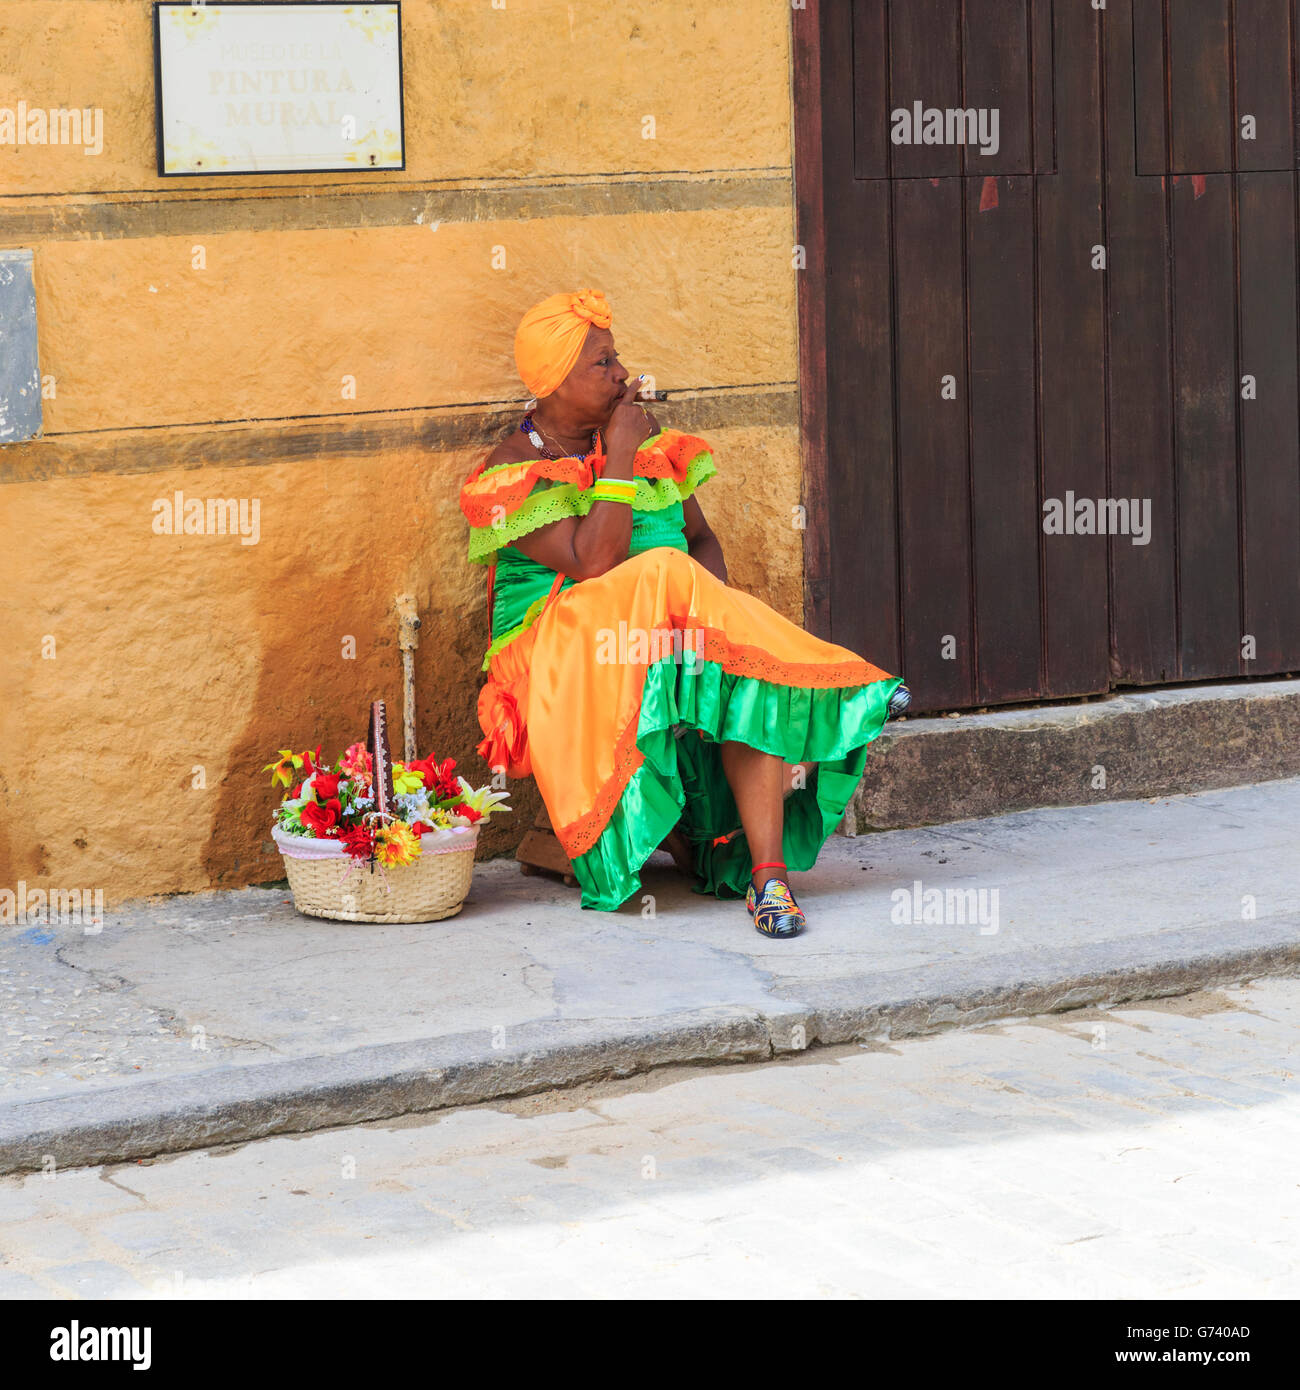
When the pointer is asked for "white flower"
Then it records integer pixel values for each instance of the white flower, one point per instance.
(413, 803)
(484, 800)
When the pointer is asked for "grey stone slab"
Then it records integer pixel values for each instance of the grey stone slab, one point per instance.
(20, 376)
(144, 1234)
(47, 1238)
(15, 1285)
(94, 1279)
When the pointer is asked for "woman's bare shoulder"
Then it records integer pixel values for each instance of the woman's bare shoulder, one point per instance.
(514, 448)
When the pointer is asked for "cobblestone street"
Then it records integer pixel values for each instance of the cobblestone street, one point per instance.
(1148, 1151)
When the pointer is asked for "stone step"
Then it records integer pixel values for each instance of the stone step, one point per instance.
(932, 770)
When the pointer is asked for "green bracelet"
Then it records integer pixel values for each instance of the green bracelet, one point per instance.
(614, 490)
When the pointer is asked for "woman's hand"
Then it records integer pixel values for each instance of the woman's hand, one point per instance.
(629, 427)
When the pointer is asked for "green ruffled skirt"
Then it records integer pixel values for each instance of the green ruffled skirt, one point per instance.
(689, 708)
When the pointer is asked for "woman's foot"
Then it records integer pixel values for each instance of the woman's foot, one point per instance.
(772, 905)
(676, 845)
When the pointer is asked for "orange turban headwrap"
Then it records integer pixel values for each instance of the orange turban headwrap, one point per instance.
(551, 335)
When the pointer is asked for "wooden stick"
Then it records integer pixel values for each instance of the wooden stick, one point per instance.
(381, 759)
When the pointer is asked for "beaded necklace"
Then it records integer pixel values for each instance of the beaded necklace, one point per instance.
(527, 427)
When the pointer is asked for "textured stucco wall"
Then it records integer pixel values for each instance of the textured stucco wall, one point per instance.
(133, 658)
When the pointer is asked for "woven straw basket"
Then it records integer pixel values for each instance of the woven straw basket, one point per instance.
(327, 882)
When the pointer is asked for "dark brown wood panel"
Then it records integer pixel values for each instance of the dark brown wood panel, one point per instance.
(1199, 67)
(933, 477)
(995, 64)
(863, 29)
(924, 66)
(863, 556)
(1270, 448)
(1200, 95)
(980, 61)
(810, 93)
(865, 612)
(1144, 605)
(1150, 98)
(1072, 388)
(1042, 83)
(1262, 49)
(1005, 510)
(1205, 426)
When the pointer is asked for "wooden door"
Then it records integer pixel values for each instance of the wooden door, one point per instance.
(1102, 307)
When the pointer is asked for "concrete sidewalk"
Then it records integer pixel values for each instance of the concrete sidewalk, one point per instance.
(224, 1017)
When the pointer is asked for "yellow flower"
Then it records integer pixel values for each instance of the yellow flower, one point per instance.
(404, 781)
(282, 771)
(396, 844)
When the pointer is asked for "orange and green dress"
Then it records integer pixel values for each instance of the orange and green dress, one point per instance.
(617, 692)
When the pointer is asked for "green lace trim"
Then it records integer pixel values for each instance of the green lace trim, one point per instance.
(531, 614)
(550, 501)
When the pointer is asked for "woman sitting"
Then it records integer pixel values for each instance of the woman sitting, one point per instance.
(644, 694)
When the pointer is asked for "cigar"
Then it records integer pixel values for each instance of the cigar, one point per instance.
(653, 395)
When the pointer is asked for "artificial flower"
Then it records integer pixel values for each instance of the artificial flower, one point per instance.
(359, 843)
(396, 844)
(356, 764)
(322, 818)
(485, 800)
(326, 785)
(437, 776)
(283, 770)
(406, 780)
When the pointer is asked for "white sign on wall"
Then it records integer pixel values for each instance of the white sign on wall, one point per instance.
(267, 88)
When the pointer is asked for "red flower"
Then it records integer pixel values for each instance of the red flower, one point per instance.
(469, 812)
(418, 828)
(326, 785)
(439, 777)
(321, 819)
(311, 763)
(359, 843)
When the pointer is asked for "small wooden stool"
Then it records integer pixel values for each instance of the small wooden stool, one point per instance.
(540, 851)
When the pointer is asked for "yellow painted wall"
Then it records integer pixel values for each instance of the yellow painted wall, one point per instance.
(172, 653)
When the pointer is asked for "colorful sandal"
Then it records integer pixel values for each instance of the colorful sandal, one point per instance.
(898, 702)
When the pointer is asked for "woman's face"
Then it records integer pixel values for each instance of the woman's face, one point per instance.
(596, 379)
